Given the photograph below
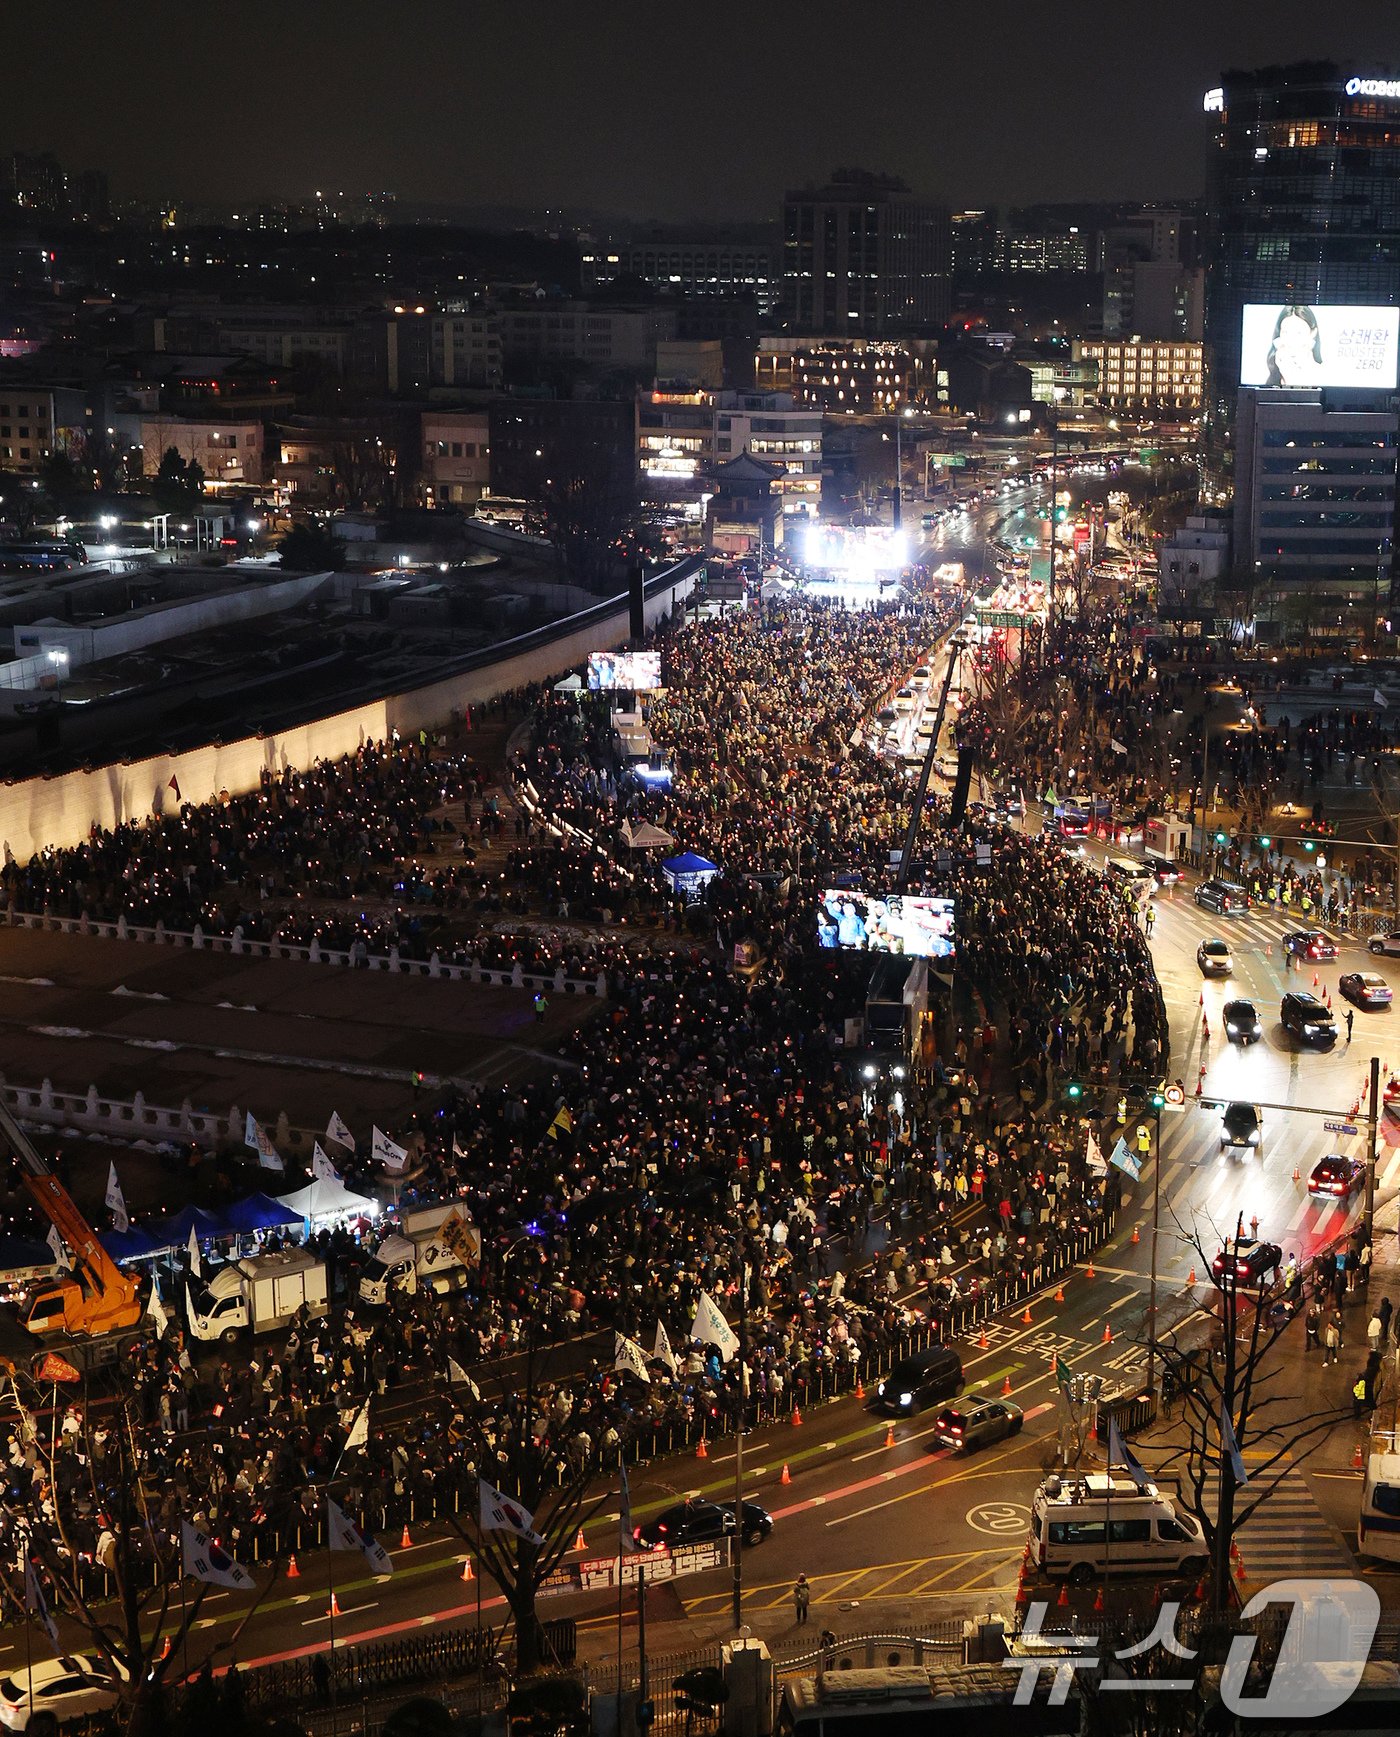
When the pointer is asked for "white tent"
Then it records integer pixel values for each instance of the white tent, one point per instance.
(645, 837)
(571, 684)
(324, 1198)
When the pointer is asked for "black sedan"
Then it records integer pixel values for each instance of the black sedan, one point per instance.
(1337, 1176)
(1309, 944)
(1247, 1260)
(1242, 1024)
(701, 1522)
(975, 1423)
(1241, 1125)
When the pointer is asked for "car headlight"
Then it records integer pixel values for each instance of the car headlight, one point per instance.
(1233, 1030)
(1254, 1136)
(869, 1071)
(906, 1399)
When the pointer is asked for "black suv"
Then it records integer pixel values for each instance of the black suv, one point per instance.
(1306, 1019)
(1223, 897)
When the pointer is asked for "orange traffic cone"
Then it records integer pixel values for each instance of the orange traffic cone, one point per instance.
(702, 1452)
(405, 1543)
(889, 1435)
(796, 1418)
(1089, 1270)
(1239, 1571)
(1357, 1462)
(467, 1569)
(1200, 1590)
(1098, 1599)
(578, 1542)
(1063, 1600)
(1026, 1320)
(1314, 979)
(982, 1340)
(293, 1572)
(1006, 1384)
(1023, 1595)
(1060, 1295)
(1135, 1238)
(860, 1388)
(1297, 1173)
(787, 1475)
(335, 1606)
(1201, 999)
(1191, 1277)
(165, 1650)
(1107, 1334)
(1198, 1082)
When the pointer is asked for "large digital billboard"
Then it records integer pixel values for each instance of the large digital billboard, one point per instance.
(901, 923)
(1292, 344)
(633, 671)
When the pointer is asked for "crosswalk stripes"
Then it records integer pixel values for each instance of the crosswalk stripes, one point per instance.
(1289, 1534)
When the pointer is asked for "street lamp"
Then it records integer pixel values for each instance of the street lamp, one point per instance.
(58, 663)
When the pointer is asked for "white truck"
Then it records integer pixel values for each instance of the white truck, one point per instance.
(257, 1295)
(435, 1248)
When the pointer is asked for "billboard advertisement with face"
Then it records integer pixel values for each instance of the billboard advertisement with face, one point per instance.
(1291, 344)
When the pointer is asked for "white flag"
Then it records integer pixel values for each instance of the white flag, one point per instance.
(338, 1133)
(202, 1559)
(627, 1354)
(458, 1377)
(195, 1267)
(321, 1167)
(385, 1152)
(457, 1151)
(158, 1312)
(661, 1352)
(711, 1328)
(116, 1202)
(346, 1535)
(268, 1155)
(1093, 1156)
(60, 1253)
(36, 1603)
(500, 1514)
(250, 1131)
(359, 1430)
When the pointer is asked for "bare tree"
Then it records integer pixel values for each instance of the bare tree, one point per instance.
(588, 497)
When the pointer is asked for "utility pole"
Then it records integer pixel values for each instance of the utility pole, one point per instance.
(1373, 1123)
(737, 1541)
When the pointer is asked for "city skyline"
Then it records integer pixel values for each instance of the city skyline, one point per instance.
(585, 116)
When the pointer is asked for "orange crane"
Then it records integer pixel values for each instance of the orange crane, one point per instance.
(98, 1297)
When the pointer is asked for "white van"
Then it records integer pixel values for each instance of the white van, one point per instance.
(1378, 1530)
(1082, 1528)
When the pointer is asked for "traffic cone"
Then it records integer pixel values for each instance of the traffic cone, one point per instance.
(1198, 1085)
(1357, 1462)
(982, 1340)
(1022, 1594)
(787, 1475)
(1026, 1320)
(1234, 1551)
(1201, 999)
(1200, 1591)
(1005, 1384)
(1107, 1334)
(1191, 1277)
(335, 1606)
(1239, 1571)
(889, 1435)
(293, 1572)
(467, 1569)
(860, 1388)
(1314, 979)
(1063, 1600)
(1136, 1237)
(405, 1543)
(578, 1542)
(1297, 1173)
(165, 1650)
(1098, 1599)
(702, 1452)
(796, 1418)
(1060, 1294)
(1089, 1270)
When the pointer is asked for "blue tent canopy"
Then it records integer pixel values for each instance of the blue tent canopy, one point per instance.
(687, 863)
(174, 1232)
(131, 1245)
(257, 1212)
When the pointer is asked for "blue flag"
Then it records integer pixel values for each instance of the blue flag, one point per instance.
(1119, 1453)
(1229, 1446)
(1126, 1159)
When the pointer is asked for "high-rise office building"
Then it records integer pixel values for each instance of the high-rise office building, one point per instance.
(1303, 208)
(863, 256)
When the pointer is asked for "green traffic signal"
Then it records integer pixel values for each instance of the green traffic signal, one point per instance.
(1157, 1100)
(1222, 838)
(1265, 842)
(1074, 1089)
(1308, 844)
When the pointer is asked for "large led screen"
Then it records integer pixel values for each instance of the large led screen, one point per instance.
(1292, 344)
(633, 671)
(901, 923)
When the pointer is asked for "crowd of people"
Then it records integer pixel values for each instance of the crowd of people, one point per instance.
(707, 1134)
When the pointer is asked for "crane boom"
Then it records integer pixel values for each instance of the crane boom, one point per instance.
(102, 1297)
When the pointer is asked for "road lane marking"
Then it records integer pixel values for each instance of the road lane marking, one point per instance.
(350, 1610)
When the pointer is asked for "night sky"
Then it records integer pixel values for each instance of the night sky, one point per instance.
(703, 110)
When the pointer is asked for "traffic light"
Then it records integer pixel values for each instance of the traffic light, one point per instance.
(1265, 842)
(1061, 514)
(1074, 1090)
(1309, 844)
(1222, 838)
(1158, 1099)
